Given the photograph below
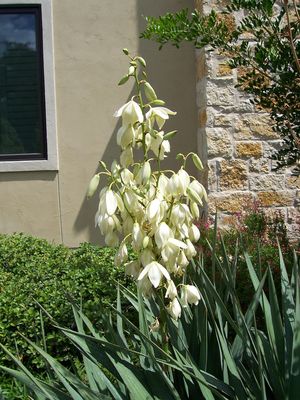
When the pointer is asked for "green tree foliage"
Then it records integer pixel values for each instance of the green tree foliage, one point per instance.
(264, 44)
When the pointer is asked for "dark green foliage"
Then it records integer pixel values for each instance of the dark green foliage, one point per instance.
(33, 270)
(269, 57)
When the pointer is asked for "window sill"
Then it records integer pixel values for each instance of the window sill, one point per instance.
(30, 165)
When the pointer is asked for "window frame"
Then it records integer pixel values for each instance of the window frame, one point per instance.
(29, 162)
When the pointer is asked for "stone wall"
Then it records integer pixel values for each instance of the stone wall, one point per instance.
(236, 141)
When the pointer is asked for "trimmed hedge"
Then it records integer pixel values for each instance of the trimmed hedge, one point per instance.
(33, 270)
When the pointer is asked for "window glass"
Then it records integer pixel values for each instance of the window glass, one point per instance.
(22, 116)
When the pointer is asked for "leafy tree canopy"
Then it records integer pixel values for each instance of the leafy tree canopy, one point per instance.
(264, 45)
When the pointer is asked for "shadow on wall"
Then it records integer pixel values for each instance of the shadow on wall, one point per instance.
(172, 74)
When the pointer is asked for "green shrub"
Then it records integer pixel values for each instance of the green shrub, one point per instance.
(33, 270)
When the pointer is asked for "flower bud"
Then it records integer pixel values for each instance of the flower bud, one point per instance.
(144, 174)
(149, 92)
(194, 233)
(93, 185)
(197, 162)
(194, 210)
(146, 241)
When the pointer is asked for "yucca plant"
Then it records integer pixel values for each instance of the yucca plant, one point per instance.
(213, 351)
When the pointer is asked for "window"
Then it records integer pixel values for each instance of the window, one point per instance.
(27, 123)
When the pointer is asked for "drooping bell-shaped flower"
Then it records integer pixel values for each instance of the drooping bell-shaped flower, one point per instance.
(153, 210)
(144, 174)
(147, 256)
(133, 268)
(155, 271)
(174, 309)
(160, 115)
(171, 292)
(111, 239)
(162, 234)
(131, 113)
(111, 203)
(137, 237)
(189, 295)
(184, 180)
(125, 135)
(126, 157)
(121, 255)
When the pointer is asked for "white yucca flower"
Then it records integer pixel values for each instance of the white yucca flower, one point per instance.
(125, 135)
(162, 234)
(171, 292)
(137, 237)
(174, 308)
(111, 239)
(189, 295)
(121, 255)
(155, 272)
(160, 115)
(110, 201)
(133, 268)
(126, 158)
(131, 113)
(147, 256)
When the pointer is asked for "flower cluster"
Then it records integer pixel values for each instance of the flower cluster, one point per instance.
(152, 210)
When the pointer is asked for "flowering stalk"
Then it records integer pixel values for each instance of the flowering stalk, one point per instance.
(151, 210)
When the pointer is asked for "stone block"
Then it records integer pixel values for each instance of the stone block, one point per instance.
(260, 126)
(248, 149)
(254, 125)
(223, 69)
(275, 199)
(261, 165)
(220, 96)
(233, 175)
(292, 182)
(266, 182)
(218, 142)
(231, 203)
(223, 119)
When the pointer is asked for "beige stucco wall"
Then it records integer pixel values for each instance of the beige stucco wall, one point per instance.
(88, 39)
